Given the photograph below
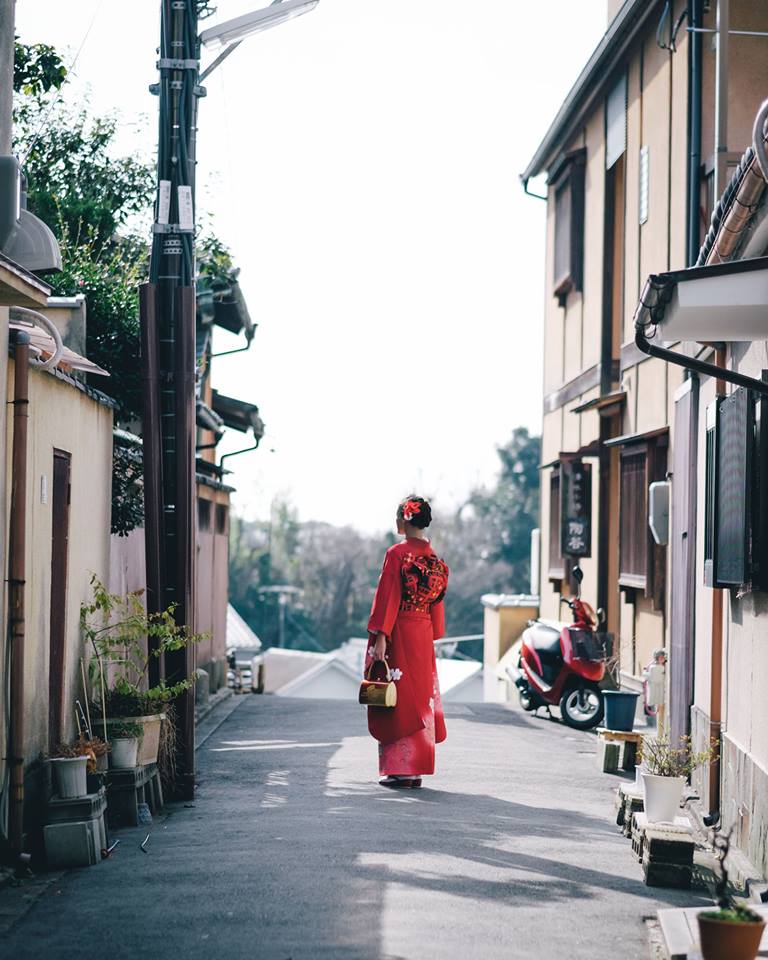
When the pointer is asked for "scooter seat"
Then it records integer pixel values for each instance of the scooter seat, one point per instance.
(543, 639)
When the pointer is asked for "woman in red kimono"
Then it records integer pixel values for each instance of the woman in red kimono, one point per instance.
(406, 618)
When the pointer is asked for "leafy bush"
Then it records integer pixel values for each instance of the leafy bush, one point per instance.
(116, 629)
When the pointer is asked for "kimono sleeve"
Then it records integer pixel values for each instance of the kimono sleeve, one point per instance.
(438, 620)
(386, 602)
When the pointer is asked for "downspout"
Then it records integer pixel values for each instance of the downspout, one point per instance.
(720, 373)
(694, 130)
(17, 578)
(716, 667)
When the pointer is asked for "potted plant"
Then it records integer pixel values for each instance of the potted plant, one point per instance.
(665, 769)
(124, 639)
(69, 766)
(125, 739)
(95, 750)
(733, 931)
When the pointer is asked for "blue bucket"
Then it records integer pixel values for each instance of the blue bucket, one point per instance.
(620, 707)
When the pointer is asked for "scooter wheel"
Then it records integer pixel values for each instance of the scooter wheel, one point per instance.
(582, 708)
(527, 700)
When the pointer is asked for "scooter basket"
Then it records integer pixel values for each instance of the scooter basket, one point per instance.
(587, 645)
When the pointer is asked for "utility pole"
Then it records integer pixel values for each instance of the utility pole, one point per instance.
(168, 364)
(7, 49)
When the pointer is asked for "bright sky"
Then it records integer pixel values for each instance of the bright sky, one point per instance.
(362, 163)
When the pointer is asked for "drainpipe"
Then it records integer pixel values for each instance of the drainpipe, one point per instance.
(17, 577)
(716, 668)
(721, 93)
(694, 130)
(716, 370)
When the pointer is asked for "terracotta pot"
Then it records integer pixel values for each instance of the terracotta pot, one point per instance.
(726, 940)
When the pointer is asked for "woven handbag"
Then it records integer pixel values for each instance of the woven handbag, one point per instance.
(378, 693)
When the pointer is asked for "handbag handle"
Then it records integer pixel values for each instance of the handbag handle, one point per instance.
(368, 672)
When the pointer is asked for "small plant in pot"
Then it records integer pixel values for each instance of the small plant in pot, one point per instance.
(733, 931)
(665, 769)
(69, 764)
(124, 640)
(125, 738)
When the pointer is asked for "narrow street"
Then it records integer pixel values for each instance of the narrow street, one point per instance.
(291, 850)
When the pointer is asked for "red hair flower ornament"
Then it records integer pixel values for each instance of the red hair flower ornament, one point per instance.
(410, 509)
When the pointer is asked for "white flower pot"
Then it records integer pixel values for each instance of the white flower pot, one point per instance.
(70, 776)
(123, 754)
(150, 740)
(661, 797)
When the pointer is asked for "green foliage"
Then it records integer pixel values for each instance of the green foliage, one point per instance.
(124, 729)
(511, 509)
(109, 278)
(75, 182)
(214, 262)
(116, 629)
(127, 487)
(734, 914)
(37, 69)
(662, 759)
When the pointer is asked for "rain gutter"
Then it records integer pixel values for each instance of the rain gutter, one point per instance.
(654, 300)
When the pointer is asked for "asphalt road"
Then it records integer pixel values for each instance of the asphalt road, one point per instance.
(291, 850)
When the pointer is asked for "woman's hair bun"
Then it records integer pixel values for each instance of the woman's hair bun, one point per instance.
(416, 511)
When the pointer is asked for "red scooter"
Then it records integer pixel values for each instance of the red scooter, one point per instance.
(562, 665)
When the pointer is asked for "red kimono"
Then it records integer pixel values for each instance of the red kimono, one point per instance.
(408, 609)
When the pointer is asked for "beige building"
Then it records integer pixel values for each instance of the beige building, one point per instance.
(66, 518)
(648, 137)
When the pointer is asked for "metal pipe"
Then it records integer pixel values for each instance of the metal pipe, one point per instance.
(530, 193)
(720, 373)
(694, 134)
(17, 588)
(40, 320)
(721, 94)
(758, 139)
(236, 453)
(716, 660)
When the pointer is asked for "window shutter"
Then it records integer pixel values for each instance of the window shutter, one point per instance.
(556, 563)
(568, 186)
(633, 548)
(735, 434)
(616, 122)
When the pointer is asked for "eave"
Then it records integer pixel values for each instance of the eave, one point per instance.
(19, 287)
(591, 83)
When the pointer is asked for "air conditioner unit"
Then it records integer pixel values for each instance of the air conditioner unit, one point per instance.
(24, 238)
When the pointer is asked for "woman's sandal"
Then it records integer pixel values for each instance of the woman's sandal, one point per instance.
(395, 783)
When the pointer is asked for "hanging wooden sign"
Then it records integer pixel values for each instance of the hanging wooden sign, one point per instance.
(575, 508)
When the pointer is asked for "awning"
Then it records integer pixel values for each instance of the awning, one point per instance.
(225, 306)
(629, 438)
(44, 344)
(606, 405)
(207, 419)
(721, 302)
(19, 287)
(238, 414)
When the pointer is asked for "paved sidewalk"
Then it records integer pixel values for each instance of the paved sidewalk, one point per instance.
(292, 852)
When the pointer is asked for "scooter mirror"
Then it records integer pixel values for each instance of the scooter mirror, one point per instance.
(578, 574)
(601, 618)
